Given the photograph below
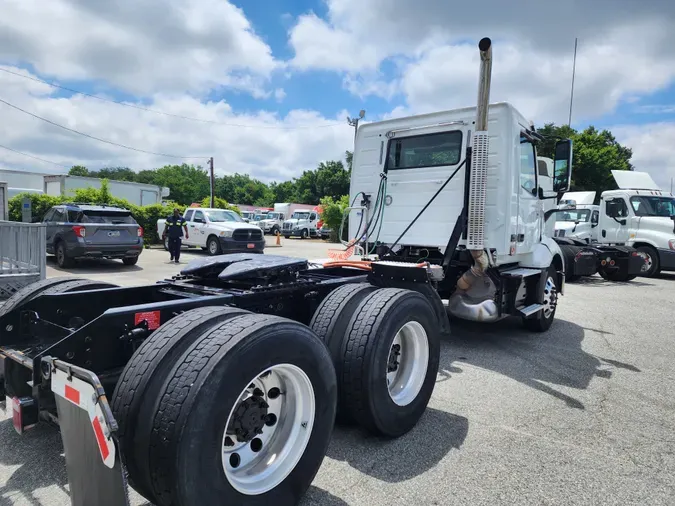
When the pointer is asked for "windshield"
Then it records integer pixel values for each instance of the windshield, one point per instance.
(653, 206)
(110, 217)
(581, 215)
(272, 216)
(220, 215)
(300, 215)
(259, 217)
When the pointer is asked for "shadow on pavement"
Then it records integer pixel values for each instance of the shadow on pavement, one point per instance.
(318, 497)
(403, 458)
(536, 360)
(94, 266)
(38, 458)
(594, 281)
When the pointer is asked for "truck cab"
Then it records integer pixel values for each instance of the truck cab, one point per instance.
(270, 223)
(302, 223)
(581, 222)
(405, 163)
(641, 215)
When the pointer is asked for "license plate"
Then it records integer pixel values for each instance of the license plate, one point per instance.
(250, 245)
(114, 233)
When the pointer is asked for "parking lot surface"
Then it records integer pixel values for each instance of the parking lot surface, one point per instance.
(583, 414)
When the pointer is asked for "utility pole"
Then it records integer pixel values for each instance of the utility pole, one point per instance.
(574, 71)
(213, 183)
(355, 122)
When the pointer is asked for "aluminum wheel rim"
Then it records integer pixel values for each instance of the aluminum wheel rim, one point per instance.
(280, 444)
(550, 297)
(408, 363)
(647, 266)
(213, 247)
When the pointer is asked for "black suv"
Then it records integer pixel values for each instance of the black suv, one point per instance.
(77, 231)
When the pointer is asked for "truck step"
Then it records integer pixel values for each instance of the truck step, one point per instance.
(522, 272)
(531, 309)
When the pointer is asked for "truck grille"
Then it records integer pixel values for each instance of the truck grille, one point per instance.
(287, 226)
(559, 233)
(247, 235)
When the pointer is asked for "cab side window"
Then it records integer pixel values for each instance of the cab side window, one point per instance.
(188, 215)
(616, 208)
(528, 167)
(595, 217)
(312, 217)
(199, 217)
(59, 216)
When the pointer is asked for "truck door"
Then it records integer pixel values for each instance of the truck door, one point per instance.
(313, 219)
(529, 205)
(614, 220)
(418, 162)
(197, 229)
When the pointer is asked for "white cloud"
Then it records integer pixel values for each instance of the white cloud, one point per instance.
(261, 144)
(653, 149)
(626, 50)
(142, 46)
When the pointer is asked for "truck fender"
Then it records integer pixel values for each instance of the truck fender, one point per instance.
(542, 254)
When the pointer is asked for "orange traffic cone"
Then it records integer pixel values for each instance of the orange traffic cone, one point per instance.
(278, 238)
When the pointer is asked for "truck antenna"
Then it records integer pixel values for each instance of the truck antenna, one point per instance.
(574, 70)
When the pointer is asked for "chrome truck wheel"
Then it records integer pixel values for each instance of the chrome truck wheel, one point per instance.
(268, 429)
(408, 363)
(244, 417)
(390, 361)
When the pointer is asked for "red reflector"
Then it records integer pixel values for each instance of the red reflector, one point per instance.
(152, 317)
(98, 430)
(17, 415)
(79, 231)
(72, 395)
(140, 231)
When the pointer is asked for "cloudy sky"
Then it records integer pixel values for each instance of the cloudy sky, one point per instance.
(271, 82)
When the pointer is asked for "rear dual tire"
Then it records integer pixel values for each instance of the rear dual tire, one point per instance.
(385, 345)
(200, 393)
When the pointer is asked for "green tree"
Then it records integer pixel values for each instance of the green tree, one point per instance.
(78, 170)
(595, 154)
(332, 212)
(329, 179)
(349, 158)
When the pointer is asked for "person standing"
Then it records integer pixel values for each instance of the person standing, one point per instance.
(173, 228)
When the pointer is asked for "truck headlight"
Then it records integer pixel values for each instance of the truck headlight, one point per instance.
(226, 233)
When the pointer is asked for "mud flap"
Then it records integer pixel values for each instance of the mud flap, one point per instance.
(96, 473)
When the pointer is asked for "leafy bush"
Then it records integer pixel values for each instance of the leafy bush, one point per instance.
(332, 212)
(146, 216)
(40, 204)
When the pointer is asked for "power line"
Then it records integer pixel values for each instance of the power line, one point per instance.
(98, 138)
(34, 157)
(156, 111)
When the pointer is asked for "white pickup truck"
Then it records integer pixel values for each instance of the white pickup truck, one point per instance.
(218, 231)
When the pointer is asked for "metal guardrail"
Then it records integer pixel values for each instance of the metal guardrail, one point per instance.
(23, 255)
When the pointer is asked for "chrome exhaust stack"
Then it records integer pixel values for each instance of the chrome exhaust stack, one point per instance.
(461, 303)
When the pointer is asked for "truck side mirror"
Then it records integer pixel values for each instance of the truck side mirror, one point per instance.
(562, 166)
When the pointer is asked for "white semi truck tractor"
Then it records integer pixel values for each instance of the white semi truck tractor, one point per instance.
(460, 189)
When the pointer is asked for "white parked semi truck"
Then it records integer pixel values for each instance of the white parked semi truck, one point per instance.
(574, 226)
(470, 176)
(303, 221)
(224, 381)
(641, 215)
(581, 222)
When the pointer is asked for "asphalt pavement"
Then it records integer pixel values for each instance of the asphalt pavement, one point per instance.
(583, 414)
